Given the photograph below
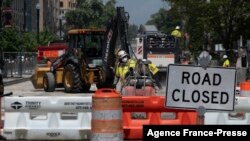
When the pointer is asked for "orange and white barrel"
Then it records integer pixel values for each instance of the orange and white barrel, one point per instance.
(245, 89)
(106, 123)
(244, 93)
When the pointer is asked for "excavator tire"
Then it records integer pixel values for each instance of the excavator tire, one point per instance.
(49, 82)
(71, 79)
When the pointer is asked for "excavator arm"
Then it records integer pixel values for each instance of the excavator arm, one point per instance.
(117, 27)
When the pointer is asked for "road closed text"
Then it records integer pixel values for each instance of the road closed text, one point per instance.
(213, 97)
(191, 87)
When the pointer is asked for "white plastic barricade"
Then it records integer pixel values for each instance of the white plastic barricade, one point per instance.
(47, 118)
(223, 118)
(240, 115)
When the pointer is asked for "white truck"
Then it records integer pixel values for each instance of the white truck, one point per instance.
(155, 46)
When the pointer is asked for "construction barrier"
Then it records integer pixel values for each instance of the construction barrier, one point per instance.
(226, 118)
(245, 89)
(155, 113)
(144, 91)
(241, 113)
(47, 118)
(106, 120)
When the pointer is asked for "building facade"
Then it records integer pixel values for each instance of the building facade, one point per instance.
(37, 15)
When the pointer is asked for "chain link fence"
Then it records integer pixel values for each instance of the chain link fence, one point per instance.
(18, 64)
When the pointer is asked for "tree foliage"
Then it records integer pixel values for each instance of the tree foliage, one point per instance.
(90, 13)
(13, 41)
(28, 42)
(9, 39)
(45, 37)
(162, 18)
(207, 22)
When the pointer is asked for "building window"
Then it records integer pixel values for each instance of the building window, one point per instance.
(61, 4)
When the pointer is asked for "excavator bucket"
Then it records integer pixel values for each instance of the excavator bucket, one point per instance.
(37, 77)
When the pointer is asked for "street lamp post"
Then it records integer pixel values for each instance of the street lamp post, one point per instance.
(1, 2)
(37, 21)
(60, 26)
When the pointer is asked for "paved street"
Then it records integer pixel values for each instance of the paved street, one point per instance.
(26, 89)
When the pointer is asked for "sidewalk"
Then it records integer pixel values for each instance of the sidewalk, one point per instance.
(14, 80)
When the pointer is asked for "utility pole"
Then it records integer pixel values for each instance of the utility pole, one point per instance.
(1, 3)
(37, 15)
(24, 15)
(60, 26)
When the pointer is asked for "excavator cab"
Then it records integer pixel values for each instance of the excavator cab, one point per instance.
(87, 45)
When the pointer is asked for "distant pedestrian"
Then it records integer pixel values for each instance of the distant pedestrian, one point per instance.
(204, 59)
(242, 58)
(226, 62)
(185, 60)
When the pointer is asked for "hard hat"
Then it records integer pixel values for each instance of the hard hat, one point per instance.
(177, 27)
(122, 54)
(224, 56)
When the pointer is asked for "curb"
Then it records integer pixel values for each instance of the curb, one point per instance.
(18, 80)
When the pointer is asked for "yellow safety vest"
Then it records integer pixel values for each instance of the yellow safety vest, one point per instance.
(153, 68)
(176, 33)
(226, 63)
(121, 70)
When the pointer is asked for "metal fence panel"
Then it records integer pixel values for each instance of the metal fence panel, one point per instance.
(17, 64)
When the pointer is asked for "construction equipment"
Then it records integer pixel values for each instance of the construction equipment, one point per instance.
(139, 81)
(51, 51)
(157, 47)
(89, 58)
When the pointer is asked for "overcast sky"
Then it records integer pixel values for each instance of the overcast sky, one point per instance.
(140, 10)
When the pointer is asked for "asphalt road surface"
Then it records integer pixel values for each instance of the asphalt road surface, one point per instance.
(26, 89)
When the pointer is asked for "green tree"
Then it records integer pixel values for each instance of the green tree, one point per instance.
(165, 21)
(90, 13)
(208, 22)
(28, 42)
(9, 39)
(228, 20)
(45, 37)
(13, 41)
(7, 3)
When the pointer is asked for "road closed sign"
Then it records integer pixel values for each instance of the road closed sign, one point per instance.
(190, 87)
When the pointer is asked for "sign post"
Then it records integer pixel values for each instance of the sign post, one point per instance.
(201, 115)
(190, 87)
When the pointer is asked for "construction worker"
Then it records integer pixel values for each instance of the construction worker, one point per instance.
(125, 63)
(154, 72)
(176, 32)
(226, 62)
